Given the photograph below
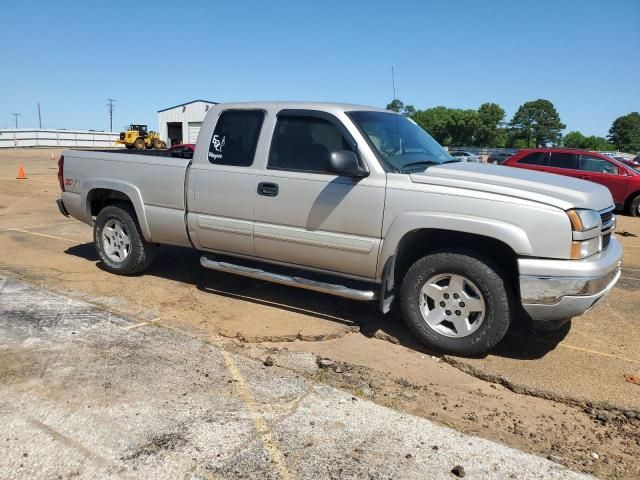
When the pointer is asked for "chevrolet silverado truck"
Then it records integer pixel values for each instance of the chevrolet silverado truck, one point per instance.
(361, 203)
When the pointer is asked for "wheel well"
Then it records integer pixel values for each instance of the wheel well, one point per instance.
(98, 198)
(630, 198)
(418, 243)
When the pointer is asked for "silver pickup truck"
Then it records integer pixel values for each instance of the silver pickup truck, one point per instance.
(362, 203)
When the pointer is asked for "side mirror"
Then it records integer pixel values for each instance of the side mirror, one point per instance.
(345, 162)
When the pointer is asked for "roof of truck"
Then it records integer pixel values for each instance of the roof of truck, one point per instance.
(323, 106)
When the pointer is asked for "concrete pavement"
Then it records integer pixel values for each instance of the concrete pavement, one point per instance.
(87, 393)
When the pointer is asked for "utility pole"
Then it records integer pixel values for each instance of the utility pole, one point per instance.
(16, 115)
(111, 104)
(39, 116)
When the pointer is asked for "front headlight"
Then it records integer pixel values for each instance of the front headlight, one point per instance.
(586, 226)
(583, 220)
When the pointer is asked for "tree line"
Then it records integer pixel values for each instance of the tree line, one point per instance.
(535, 123)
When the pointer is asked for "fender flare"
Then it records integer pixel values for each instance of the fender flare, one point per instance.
(128, 189)
(512, 235)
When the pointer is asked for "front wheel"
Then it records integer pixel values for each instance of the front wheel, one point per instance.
(457, 302)
(634, 207)
(119, 241)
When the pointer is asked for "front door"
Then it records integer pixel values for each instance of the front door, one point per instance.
(306, 215)
(604, 172)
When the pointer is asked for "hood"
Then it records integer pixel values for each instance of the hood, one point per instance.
(556, 190)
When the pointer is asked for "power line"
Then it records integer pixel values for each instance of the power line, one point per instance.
(111, 103)
(16, 115)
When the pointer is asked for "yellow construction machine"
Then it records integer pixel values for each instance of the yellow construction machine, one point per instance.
(138, 137)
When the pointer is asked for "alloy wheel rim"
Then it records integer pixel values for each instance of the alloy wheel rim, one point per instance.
(115, 241)
(452, 305)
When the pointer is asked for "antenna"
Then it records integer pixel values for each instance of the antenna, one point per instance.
(393, 82)
(39, 116)
(111, 103)
(16, 115)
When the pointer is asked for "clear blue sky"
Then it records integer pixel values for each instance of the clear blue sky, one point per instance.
(583, 55)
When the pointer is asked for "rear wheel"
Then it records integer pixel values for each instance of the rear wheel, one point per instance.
(139, 144)
(457, 302)
(159, 144)
(634, 207)
(119, 241)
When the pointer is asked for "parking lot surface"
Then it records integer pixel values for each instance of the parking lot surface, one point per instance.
(587, 368)
(87, 393)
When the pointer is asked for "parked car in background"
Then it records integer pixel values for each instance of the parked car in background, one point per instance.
(464, 156)
(498, 158)
(622, 180)
(633, 162)
(183, 150)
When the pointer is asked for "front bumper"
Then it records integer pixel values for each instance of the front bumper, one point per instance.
(554, 290)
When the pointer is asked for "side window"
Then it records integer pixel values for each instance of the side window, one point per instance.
(597, 165)
(304, 144)
(235, 137)
(564, 160)
(535, 158)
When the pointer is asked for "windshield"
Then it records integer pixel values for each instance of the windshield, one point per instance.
(399, 142)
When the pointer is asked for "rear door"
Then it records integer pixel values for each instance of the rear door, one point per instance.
(565, 163)
(306, 215)
(222, 183)
(606, 173)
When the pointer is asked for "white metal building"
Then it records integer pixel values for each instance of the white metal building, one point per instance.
(181, 124)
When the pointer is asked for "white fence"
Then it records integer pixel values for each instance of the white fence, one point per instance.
(14, 138)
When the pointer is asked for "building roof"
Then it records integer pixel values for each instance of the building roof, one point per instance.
(187, 103)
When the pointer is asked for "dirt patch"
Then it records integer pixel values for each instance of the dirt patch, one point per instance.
(596, 440)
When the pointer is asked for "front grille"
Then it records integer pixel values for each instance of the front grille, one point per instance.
(606, 217)
(608, 222)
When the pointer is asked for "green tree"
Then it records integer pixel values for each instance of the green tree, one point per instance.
(489, 120)
(449, 126)
(398, 106)
(574, 140)
(537, 123)
(578, 140)
(625, 133)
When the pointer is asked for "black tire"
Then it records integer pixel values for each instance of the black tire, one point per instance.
(634, 207)
(489, 280)
(129, 147)
(158, 144)
(139, 144)
(140, 254)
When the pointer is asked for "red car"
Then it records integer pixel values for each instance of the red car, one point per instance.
(184, 150)
(622, 180)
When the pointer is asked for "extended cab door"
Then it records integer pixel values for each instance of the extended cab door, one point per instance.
(304, 214)
(221, 182)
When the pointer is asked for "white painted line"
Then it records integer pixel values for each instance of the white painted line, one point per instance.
(45, 235)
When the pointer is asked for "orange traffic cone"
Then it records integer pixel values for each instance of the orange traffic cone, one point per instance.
(21, 174)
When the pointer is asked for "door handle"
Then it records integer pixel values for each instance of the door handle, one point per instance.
(268, 189)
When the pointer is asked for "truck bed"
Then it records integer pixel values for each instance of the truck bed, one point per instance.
(152, 181)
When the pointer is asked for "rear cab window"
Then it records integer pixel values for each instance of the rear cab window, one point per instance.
(235, 138)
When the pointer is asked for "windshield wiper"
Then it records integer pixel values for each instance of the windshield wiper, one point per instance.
(426, 163)
(451, 161)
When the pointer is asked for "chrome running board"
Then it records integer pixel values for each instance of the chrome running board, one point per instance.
(307, 284)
